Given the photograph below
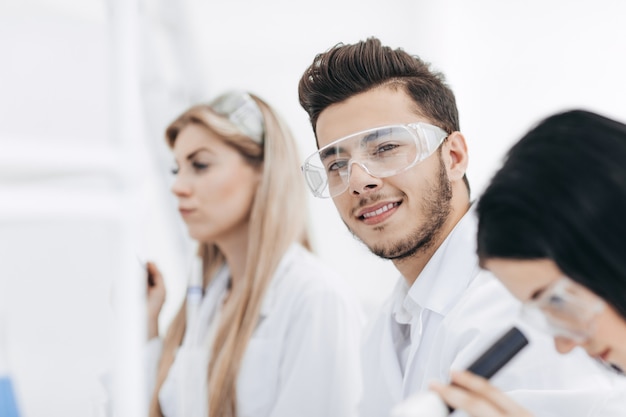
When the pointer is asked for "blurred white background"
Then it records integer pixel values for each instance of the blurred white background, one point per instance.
(87, 87)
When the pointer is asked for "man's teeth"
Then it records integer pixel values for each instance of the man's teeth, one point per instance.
(379, 211)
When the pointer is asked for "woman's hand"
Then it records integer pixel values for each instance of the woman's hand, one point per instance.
(477, 397)
(155, 291)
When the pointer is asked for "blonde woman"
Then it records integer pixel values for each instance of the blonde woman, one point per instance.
(275, 332)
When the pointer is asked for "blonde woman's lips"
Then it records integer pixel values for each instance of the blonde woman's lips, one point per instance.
(185, 211)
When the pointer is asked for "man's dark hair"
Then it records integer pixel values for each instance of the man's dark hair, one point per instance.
(346, 70)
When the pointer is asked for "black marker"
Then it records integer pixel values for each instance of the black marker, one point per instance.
(498, 355)
(429, 404)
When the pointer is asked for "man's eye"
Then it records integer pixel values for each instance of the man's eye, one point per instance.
(385, 148)
(337, 165)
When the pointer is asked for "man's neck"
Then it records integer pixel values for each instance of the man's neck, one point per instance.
(412, 266)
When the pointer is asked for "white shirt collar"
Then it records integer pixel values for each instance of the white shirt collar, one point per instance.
(444, 278)
(403, 308)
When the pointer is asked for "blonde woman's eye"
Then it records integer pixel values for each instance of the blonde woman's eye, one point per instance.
(199, 166)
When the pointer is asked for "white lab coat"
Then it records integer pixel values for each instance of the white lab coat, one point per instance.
(453, 312)
(303, 358)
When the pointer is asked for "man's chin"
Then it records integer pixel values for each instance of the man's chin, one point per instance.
(403, 249)
(392, 254)
(387, 250)
(383, 249)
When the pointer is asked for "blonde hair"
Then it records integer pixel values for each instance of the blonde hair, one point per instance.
(274, 225)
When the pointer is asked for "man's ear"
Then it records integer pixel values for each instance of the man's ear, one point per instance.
(455, 156)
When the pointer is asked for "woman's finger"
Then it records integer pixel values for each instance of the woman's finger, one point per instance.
(154, 275)
(481, 386)
(472, 403)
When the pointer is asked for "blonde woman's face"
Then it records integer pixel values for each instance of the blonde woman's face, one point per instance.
(214, 185)
(532, 280)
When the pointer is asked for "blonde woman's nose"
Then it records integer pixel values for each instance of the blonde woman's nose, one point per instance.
(181, 186)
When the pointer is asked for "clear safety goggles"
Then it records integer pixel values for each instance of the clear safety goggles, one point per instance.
(565, 309)
(381, 152)
(242, 111)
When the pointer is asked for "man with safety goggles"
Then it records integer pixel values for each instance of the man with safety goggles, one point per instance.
(392, 158)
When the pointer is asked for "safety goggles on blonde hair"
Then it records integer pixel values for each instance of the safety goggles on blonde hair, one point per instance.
(381, 152)
(241, 109)
(565, 309)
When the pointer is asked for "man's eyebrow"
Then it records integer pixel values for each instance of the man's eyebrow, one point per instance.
(375, 135)
(333, 150)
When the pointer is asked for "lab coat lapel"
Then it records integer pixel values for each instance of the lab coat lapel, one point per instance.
(389, 364)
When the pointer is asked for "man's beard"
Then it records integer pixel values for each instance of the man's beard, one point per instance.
(436, 207)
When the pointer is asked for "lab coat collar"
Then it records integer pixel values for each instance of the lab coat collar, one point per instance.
(216, 287)
(446, 276)
(389, 361)
(270, 294)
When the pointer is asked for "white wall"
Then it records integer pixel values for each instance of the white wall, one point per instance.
(510, 63)
(265, 47)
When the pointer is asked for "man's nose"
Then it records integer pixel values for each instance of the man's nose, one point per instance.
(360, 181)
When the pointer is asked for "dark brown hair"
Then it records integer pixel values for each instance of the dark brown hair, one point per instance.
(346, 70)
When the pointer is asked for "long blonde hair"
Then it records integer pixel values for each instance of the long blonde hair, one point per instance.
(275, 224)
